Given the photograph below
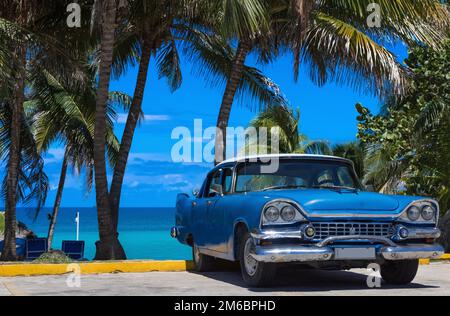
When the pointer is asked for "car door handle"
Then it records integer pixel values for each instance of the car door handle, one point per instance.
(210, 203)
(194, 203)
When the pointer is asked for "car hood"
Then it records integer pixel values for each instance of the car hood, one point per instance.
(323, 200)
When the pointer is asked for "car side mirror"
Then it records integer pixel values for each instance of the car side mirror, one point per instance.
(196, 192)
(370, 188)
(217, 188)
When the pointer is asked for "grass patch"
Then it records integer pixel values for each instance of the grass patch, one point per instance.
(53, 257)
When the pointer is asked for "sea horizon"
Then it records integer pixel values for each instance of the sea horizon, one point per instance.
(144, 232)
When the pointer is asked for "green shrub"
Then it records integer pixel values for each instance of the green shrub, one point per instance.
(53, 257)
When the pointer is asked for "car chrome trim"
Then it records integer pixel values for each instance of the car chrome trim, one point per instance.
(277, 234)
(409, 252)
(299, 217)
(404, 218)
(417, 233)
(282, 156)
(345, 228)
(295, 253)
(378, 239)
(292, 254)
(298, 233)
(174, 232)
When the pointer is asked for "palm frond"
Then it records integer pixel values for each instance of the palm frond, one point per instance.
(168, 64)
(213, 59)
(337, 51)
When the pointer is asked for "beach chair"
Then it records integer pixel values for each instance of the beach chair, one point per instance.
(34, 248)
(73, 249)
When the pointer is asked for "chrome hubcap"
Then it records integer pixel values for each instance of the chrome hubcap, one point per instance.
(250, 264)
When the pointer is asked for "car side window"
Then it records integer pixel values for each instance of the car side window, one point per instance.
(227, 179)
(215, 185)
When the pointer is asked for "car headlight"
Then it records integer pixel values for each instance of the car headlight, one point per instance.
(288, 213)
(272, 214)
(413, 213)
(281, 212)
(428, 212)
(424, 211)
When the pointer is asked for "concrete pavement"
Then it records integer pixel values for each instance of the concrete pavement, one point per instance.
(433, 279)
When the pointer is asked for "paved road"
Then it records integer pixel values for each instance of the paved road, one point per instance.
(433, 279)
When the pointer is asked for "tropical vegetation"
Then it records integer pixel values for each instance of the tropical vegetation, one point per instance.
(55, 84)
(408, 144)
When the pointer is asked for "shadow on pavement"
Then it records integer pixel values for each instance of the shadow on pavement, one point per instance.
(300, 279)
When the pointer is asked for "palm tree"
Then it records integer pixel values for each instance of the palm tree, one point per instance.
(244, 21)
(159, 29)
(334, 40)
(15, 16)
(290, 140)
(65, 112)
(32, 182)
(148, 32)
(27, 36)
(108, 247)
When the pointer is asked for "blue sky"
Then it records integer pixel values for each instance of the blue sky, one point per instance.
(153, 180)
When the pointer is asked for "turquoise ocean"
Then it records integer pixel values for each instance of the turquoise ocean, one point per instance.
(144, 232)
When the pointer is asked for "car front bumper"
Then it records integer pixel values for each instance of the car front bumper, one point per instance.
(293, 253)
(326, 250)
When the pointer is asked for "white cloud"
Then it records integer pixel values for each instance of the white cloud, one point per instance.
(122, 118)
(54, 155)
(138, 158)
(167, 182)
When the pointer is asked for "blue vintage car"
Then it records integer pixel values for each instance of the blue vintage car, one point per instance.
(310, 210)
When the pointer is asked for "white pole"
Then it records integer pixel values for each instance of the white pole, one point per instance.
(77, 220)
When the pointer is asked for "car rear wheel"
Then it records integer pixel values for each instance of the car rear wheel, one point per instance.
(203, 263)
(399, 272)
(254, 273)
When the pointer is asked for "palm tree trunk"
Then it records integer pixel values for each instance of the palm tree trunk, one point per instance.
(234, 80)
(59, 193)
(130, 127)
(9, 247)
(108, 247)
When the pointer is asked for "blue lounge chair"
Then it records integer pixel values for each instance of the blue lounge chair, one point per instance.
(34, 248)
(73, 249)
(20, 247)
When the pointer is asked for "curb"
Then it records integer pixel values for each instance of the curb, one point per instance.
(35, 269)
(427, 261)
(32, 269)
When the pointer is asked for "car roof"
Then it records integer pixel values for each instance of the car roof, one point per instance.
(268, 156)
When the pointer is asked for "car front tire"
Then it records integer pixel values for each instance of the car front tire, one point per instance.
(203, 263)
(254, 273)
(399, 272)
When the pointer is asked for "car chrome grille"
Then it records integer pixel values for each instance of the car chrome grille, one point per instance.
(325, 230)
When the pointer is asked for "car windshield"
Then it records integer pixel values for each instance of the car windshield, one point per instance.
(297, 174)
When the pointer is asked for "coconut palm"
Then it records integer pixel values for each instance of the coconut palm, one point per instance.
(148, 32)
(334, 40)
(26, 35)
(287, 123)
(65, 113)
(108, 247)
(159, 29)
(32, 182)
(15, 18)
(244, 21)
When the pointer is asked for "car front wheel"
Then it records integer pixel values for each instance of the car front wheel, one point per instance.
(203, 263)
(399, 272)
(254, 273)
